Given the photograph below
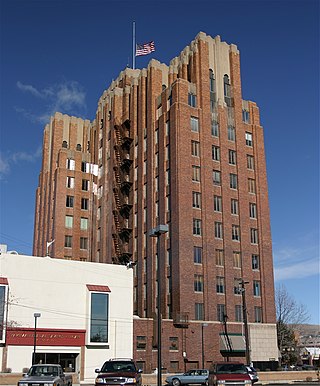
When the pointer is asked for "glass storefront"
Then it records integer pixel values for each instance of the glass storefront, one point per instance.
(66, 360)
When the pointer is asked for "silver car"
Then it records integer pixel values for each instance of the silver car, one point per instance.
(196, 376)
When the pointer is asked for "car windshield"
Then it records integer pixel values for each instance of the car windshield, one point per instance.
(231, 368)
(42, 371)
(116, 366)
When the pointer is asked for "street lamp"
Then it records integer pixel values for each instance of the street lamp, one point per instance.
(202, 342)
(157, 232)
(245, 320)
(36, 316)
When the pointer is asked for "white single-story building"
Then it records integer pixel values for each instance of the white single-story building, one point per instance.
(78, 314)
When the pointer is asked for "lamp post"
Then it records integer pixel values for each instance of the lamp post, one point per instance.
(245, 320)
(202, 342)
(36, 316)
(157, 232)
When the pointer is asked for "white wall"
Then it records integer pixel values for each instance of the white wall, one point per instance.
(57, 289)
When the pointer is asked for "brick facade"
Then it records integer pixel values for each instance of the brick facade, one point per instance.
(141, 141)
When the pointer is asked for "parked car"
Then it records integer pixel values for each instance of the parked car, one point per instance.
(252, 374)
(45, 375)
(119, 371)
(229, 374)
(191, 377)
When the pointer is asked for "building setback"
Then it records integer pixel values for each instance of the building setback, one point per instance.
(173, 145)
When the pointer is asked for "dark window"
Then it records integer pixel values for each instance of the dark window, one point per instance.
(195, 148)
(199, 314)
(215, 129)
(69, 201)
(217, 203)
(197, 255)
(196, 173)
(221, 312)
(248, 139)
(68, 241)
(220, 284)
(245, 116)
(237, 290)
(227, 91)
(255, 262)
(173, 343)
(218, 230)
(83, 243)
(196, 200)
(238, 313)
(196, 227)
(84, 203)
(192, 100)
(256, 288)
(216, 153)
(99, 317)
(141, 342)
(258, 314)
(232, 157)
(85, 185)
(233, 181)
(198, 283)
(216, 175)
(235, 232)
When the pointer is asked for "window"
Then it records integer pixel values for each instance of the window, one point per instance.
(68, 241)
(85, 167)
(245, 116)
(85, 185)
(196, 200)
(221, 312)
(219, 257)
(70, 182)
(258, 314)
(217, 203)
(231, 133)
(235, 233)
(216, 153)
(227, 90)
(84, 203)
(69, 201)
(198, 283)
(220, 284)
(237, 290)
(218, 230)
(69, 222)
(236, 259)
(195, 173)
(215, 129)
(199, 314)
(196, 227)
(233, 181)
(250, 162)
(195, 148)
(168, 128)
(83, 243)
(197, 255)
(194, 122)
(192, 100)
(232, 157)
(234, 206)
(83, 224)
(238, 313)
(70, 164)
(254, 236)
(216, 175)
(251, 186)
(173, 343)
(3, 298)
(248, 139)
(141, 342)
(256, 288)
(99, 317)
(253, 210)
(255, 262)
(212, 85)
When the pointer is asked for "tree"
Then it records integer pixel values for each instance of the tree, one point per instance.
(290, 315)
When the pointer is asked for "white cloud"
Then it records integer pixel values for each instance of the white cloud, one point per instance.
(66, 97)
(7, 160)
(300, 259)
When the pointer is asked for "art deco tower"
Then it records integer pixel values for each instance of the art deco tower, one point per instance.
(172, 145)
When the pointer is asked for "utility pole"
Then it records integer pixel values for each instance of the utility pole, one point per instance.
(245, 320)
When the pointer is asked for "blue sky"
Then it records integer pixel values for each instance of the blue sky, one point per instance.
(61, 55)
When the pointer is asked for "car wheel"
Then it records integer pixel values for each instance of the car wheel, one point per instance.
(176, 382)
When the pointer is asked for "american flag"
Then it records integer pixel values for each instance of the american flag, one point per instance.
(145, 49)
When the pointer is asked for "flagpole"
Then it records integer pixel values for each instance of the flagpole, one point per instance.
(133, 44)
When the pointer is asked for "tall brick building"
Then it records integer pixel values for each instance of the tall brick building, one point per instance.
(172, 145)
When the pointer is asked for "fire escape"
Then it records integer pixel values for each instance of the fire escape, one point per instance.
(121, 231)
